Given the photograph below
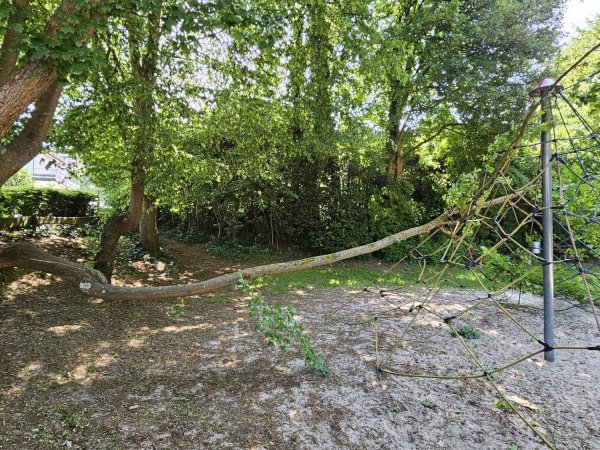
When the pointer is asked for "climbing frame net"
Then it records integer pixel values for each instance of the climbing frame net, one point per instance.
(493, 244)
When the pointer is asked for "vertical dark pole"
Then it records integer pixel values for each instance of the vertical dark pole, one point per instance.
(547, 228)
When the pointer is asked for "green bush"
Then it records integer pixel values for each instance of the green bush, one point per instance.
(44, 202)
(466, 331)
(23, 178)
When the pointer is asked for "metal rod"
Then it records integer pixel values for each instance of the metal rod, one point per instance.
(547, 226)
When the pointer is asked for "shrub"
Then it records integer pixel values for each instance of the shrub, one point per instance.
(22, 178)
(44, 202)
(466, 331)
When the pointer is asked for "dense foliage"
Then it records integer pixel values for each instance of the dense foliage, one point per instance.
(320, 124)
(23, 178)
(29, 201)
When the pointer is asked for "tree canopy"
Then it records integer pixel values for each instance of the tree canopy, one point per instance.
(323, 124)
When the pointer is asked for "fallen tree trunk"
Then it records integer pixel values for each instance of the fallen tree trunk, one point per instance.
(93, 283)
(28, 256)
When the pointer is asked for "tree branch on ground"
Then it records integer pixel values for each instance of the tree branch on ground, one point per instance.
(92, 283)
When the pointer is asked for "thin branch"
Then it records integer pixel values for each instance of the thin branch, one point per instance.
(579, 61)
(436, 134)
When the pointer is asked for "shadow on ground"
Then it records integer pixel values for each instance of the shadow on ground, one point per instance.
(81, 373)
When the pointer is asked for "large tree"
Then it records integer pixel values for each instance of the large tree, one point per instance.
(453, 66)
(42, 42)
(111, 122)
(46, 43)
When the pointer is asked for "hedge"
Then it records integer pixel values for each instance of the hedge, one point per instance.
(28, 201)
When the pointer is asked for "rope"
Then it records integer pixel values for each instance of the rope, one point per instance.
(490, 245)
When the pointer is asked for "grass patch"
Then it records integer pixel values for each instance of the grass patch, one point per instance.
(467, 332)
(360, 277)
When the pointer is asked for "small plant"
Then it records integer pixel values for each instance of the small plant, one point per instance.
(50, 410)
(73, 421)
(57, 425)
(175, 314)
(92, 369)
(428, 404)
(281, 329)
(504, 405)
(394, 407)
(466, 331)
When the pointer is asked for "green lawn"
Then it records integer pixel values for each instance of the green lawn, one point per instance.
(360, 277)
(453, 277)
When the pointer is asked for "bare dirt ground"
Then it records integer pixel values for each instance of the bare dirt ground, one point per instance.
(80, 373)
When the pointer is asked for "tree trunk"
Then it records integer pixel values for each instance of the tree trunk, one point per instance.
(92, 282)
(297, 67)
(148, 230)
(396, 166)
(320, 51)
(396, 135)
(28, 143)
(144, 66)
(22, 86)
(20, 91)
(116, 226)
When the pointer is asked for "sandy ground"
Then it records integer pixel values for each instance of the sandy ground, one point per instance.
(79, 373)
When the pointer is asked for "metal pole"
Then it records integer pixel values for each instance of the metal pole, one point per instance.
(547, 227)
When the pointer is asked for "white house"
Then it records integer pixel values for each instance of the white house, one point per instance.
(51, 170)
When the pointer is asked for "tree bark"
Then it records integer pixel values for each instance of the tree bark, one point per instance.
(146, 67)
(24, 85)
(116, 226)
(320, 51)
(396, 139)
(29, 256)
(148, 230)
(296, 67)
(20, 91)
(28, 142)
(396, 165)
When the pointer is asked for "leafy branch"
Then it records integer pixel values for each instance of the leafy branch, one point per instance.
(280, 328)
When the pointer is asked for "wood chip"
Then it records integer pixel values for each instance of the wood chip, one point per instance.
(522, 402)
